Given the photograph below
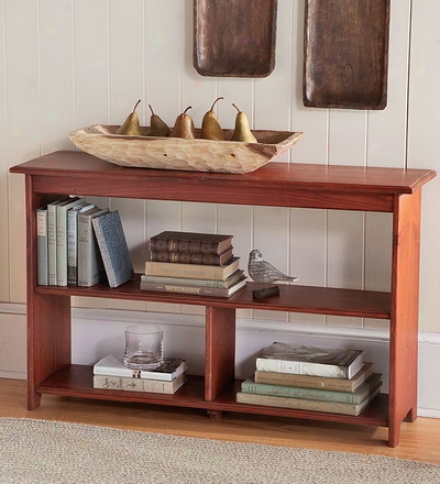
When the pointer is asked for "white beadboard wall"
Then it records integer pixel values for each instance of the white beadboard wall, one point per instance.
(65, 64)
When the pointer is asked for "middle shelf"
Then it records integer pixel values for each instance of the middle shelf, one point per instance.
(292, 298)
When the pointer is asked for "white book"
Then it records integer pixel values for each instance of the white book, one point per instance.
(310, 360)
(72, 242)
(42, 262)
(90, 267)
(52, 240)
(168, 371)
(131, 384)
(61, 237)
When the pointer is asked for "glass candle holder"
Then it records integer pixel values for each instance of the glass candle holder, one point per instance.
(143, 346)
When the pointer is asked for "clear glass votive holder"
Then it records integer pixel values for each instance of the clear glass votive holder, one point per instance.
(143, 346)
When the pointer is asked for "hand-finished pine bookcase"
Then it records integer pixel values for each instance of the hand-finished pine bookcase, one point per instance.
(393, 190)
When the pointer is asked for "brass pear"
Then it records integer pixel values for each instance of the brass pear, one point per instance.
(131, 126)
(211, 128)
(242, 131)
(184, 126)
(158, 127)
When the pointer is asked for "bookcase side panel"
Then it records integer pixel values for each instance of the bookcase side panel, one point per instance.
(219, 350)
(404, 313)
(48, 317)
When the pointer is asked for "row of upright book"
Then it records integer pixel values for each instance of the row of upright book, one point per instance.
(80, 244)
(304, 377)
(193, 263)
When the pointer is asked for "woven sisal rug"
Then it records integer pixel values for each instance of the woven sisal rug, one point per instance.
(47, 452)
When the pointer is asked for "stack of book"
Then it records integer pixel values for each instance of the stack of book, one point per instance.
(111, 374)
(309, 378)
(80, 244)
(192, 263)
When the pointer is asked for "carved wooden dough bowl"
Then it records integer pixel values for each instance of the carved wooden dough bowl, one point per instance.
(181, 154)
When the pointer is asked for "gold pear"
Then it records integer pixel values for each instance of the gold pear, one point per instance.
(131, 126)
(211, 128)
(242, 131)
(158, 127)
(184, 126)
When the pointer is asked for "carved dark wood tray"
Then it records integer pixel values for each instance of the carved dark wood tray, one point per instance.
(346, 53)
(234, 38)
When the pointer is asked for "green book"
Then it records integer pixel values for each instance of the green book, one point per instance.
(365, 390)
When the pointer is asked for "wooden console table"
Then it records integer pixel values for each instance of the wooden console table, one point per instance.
(277, 184)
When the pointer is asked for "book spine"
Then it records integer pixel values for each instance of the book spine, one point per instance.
(113, 248)
(297, 403)
(89, 270)
(61, 223)
(310, 381)
(72, 247)
(137, 384)
(42, 261)
(190, 257)
(196, 290)
(301, 393)
(306, 381)
(143, 374)
(61, 243)
(185, 245)
(194, 271)
(191, 282)
(52, 244)
(301, 368)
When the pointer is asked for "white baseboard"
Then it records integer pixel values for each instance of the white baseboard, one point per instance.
(97, 332)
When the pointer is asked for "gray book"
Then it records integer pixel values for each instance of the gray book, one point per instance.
(52, 240)
(72, 242)
(42, 260)
(113, 247)
(61, 237)
(90, 268)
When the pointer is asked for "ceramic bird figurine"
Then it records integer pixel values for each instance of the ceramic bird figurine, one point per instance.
(263, 272)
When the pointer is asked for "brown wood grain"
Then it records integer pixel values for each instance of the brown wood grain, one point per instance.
(234, 38)
(278, 184)
(346, 54)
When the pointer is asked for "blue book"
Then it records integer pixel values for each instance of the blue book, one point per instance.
(90, 267)
(113, 247)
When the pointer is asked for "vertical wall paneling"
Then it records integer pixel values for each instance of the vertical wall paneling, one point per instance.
(271, 238)
(387, 128)
(313, 147)
(69, 64)
(24, 121)
(4, 165)
(92, 84)
(274, 112)
(126, 86)
(423, 148)
(56, 74)
(308, 253)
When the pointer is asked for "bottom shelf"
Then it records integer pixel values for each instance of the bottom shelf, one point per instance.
(77, 381)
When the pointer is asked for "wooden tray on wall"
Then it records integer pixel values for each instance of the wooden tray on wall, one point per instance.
(346, 54)
(234, 38)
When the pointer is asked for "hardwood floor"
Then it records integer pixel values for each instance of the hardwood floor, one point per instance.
(419, 440)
